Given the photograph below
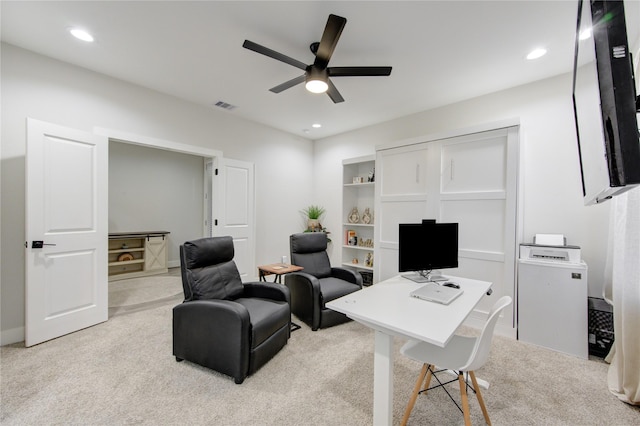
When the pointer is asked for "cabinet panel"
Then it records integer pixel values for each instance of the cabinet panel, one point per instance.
(481, 223)
(474, 166)
(403, 171)
(155, 253)
(395, 212)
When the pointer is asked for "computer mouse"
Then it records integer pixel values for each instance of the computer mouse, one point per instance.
(450, 284)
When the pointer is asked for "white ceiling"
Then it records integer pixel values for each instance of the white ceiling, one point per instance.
(441, 51)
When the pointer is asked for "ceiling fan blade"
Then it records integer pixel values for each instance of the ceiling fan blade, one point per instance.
(273, 54)
(358, 71)
(333, 93)
(287, 84)
(329, 40)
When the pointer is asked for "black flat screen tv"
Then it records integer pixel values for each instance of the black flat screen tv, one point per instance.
(604, 101)
(426, 247)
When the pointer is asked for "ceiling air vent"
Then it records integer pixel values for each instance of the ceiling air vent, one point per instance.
(225, 105)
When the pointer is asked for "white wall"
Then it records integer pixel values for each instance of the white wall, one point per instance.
(49, 90)
(156, 190)
(552, 192)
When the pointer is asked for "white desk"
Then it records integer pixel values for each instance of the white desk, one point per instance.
(387, 308)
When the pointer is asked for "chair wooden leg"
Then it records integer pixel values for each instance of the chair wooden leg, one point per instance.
(465, 399)
(428, 381)
(479, 396)
(414, 395)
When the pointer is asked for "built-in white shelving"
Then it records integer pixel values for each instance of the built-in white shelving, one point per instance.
(358, 193)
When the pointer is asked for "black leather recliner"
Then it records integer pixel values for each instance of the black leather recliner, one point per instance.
(223, 324)
(318, 283)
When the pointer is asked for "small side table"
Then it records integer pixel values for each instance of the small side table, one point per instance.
(278, 269)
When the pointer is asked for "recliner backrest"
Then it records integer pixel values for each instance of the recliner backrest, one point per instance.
(208, 269)
(309, 250)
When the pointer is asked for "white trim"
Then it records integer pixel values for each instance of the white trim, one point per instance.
(496, 125)
(479, 195)
(482, 255)
(13, 335)
(147, 141)
(362, 159)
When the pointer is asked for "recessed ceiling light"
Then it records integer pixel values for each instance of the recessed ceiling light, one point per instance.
(81, 34)
(537, 53)
(316, 125)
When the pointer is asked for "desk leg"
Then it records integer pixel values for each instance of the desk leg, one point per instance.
(383, 379)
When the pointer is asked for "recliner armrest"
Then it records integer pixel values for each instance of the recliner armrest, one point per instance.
(213, 333)
(267, 291)
(347, 275)
(226, 313)
(302, 279)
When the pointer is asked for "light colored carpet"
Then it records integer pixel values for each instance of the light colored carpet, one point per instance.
(122, 372)
(135, 291)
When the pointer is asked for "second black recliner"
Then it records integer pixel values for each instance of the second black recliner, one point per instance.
(318, 283)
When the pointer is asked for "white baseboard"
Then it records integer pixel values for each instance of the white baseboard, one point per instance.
(10, 336)
(173, 263)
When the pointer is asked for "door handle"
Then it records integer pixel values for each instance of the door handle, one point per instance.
(39, 244)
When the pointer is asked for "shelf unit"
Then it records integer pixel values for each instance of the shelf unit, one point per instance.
(358, 194)
(146, 254)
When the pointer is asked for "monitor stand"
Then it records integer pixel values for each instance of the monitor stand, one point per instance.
(425, 276)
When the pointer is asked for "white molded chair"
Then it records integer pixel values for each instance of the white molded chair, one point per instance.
(462, 354)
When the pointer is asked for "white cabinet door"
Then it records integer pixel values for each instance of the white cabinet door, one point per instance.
(402, 198)
(478, 190)
(66, 212)
(155, 253)
(402, 171)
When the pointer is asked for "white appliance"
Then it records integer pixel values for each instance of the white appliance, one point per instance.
(552, 298)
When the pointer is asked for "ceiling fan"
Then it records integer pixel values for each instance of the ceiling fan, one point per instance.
(317, 75)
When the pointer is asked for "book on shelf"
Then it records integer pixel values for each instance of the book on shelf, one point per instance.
(351, 238)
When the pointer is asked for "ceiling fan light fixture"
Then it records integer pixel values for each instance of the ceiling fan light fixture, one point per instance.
(316, 86)
(317, 80)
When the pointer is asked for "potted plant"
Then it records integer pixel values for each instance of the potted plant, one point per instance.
(313, 214)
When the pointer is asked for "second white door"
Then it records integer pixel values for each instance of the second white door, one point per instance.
(235, 212)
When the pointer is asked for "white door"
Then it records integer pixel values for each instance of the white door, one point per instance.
(66, 231)
(235, 212)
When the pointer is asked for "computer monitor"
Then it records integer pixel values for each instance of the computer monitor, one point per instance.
(426, 247)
